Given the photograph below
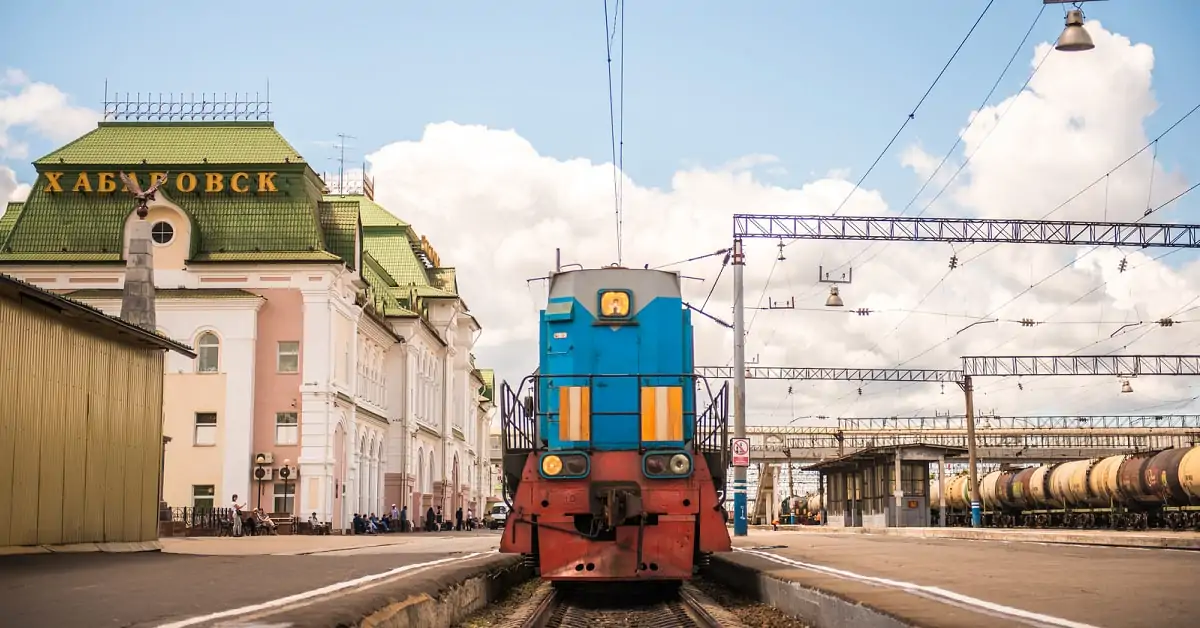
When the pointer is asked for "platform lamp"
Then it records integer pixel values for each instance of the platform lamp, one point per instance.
(286, 473)
(1074, 37)
(834, 300)
(259, 473)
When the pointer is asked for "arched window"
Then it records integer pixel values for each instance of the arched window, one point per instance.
(208, 353)
(420, 470)
(429, 480)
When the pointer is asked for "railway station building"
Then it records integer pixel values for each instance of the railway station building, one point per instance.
(331, 339)
(860, 488)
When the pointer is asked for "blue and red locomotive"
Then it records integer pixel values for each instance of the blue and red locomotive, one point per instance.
(610, 471)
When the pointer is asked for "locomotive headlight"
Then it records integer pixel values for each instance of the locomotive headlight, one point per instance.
(575, 465)
(566, 465)
(614, 304)
(680, 464)
(667, 465)
(656, 465)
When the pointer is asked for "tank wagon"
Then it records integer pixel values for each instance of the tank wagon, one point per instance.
(1159, 489)
(611, 470)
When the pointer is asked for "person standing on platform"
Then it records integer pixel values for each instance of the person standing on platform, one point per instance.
(458, 522)
(404, 518)
(237, 516)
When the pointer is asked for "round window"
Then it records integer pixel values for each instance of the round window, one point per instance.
(162, 232)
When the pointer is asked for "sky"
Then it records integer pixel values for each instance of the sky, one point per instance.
(487, 127)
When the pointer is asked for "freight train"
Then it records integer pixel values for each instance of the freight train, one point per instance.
(1159, 489)
(610, 471)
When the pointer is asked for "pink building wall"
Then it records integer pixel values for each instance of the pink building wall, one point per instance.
(280, 319)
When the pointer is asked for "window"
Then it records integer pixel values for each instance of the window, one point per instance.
(204, 496)
(208, 350)
(287, 428)
(162, 232)
(206, 429)
(288, 358)
(285, 497)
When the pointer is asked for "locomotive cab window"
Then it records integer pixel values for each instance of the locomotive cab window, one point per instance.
(615, 303)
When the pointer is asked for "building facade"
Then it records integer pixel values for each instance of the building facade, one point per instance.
(330, 338)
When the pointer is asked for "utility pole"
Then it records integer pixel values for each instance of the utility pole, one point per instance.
(739, 384)
(972, 460)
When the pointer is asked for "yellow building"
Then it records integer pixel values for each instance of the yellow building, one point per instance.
(80, 422)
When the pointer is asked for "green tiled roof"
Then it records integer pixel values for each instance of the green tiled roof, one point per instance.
(339, 221)
(379, 287)
(489, 383)
(295, 223)
(8, 220)
(177, 143)
(372, 213)
(94, 224)
(169, 293)
(268, 256)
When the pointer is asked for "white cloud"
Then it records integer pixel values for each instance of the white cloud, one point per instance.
(10, 188)
(496, 209)
(41, 108)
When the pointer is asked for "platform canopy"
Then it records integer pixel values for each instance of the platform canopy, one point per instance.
(916, 452)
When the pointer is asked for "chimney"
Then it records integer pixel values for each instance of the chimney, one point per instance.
(137, 299)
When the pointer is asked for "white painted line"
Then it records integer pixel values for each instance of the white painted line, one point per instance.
(333, 588)
(937, 593)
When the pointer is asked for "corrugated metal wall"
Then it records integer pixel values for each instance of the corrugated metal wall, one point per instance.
(81, 423)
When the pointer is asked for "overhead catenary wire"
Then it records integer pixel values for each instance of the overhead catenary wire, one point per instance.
(616, 105)
(959, 137)
(913, 114)
(1063, 204)
(908, 118)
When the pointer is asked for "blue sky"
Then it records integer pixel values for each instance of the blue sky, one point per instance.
(822, 85)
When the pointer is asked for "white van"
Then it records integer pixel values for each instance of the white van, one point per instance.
(498, 515)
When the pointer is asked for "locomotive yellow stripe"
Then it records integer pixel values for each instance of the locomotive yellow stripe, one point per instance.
(662, 413)
(574, 410)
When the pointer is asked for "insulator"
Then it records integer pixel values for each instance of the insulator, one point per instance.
(1020, 386)
(953, 262)
(1122, 264)
(860, 391)
(862, 311)
(1166, 322)
(1027, 322)
(789, 390)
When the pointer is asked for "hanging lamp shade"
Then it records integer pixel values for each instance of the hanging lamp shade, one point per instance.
(1125, 387)
(834, 300)
(1074, 37)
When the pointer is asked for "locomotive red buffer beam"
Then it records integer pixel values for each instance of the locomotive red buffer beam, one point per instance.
(616, 524)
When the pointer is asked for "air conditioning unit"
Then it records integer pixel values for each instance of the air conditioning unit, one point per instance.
(269, 474)
(270, 457)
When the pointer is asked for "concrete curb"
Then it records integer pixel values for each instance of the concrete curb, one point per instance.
(821, 609)
(1166, 540)
(435, 598)
(77, 548)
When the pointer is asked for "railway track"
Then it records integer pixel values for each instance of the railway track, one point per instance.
(604, 606)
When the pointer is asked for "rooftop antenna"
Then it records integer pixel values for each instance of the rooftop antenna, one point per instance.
(342, 162)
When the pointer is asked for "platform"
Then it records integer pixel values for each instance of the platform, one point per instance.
(305, 580)
(949, 583)
(1150, 539)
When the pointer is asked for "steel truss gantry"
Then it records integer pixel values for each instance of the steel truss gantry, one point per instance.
(835, 373)
(1115, 365)
(1031, 423)
(918, 229)
(908, 229)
